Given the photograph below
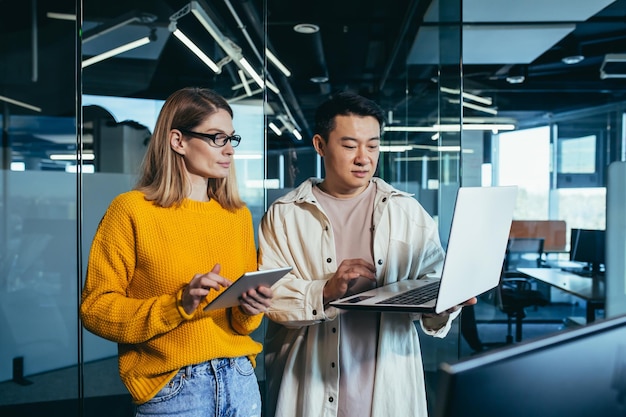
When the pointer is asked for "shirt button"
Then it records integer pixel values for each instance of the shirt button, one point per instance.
(380, 262)
(332, 364)
(315, 312)
(334, 330)
(329, 260)
(384, 199)
(330, 399)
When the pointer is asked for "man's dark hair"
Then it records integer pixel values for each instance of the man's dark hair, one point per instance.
(345, 104)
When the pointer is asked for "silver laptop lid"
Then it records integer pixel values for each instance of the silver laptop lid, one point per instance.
(478, 236)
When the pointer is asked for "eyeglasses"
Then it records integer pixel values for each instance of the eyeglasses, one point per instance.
(217, 140)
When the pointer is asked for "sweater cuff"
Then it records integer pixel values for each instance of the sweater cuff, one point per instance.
(180, 311)
(243, 323)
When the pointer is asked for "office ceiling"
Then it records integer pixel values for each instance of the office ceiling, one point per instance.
(387, 50)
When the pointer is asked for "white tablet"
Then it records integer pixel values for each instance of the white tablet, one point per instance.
(230, 296)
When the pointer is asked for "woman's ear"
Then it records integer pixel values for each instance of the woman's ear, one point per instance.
(319, 144)
(176, 141)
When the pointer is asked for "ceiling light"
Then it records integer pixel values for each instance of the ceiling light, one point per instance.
(275, 129)
(517, 74)
(116, 51)
(306, 28)
(272, 87)
(484, 109)
(478, 126)
(72, 157)
(61, 16)
(20, 103)
(277, 63)
(319, 79)
(193, 48)
(479, 99)
(232, 50)
(297, 134)
(395, 148)
(251, 72)
(451, 127)
(409, 129)
(572, 59)
(244, 82)
(613, 66)
(515, 79)
(110, 26)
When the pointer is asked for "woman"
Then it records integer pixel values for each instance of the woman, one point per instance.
(164, 250)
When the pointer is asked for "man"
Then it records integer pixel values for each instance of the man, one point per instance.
(344, 234)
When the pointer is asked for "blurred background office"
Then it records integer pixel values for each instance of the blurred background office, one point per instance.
(476, 92)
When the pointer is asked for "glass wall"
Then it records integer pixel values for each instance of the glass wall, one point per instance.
(39, 212)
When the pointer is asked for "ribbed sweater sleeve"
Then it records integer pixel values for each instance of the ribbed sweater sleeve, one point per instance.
(141, 257)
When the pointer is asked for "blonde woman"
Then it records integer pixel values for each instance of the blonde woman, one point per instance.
(163, 251)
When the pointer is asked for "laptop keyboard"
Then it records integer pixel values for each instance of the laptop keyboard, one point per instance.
(415, 296)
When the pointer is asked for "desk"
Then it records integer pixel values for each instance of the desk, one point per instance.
(591, 290)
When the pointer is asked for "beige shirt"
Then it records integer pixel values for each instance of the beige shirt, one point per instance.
(302, 339)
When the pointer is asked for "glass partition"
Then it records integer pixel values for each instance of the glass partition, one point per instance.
(39, 288)
(120, 114)
(403, 56)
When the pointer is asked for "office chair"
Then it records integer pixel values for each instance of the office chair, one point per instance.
(515, 291)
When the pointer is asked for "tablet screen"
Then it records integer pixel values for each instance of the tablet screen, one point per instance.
(230, 296)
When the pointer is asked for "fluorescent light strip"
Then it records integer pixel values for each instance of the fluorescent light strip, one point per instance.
(227, 45)
(116, 51)
(297, 134)
(395, 148)
(206, 21)
(72, 157)
(246, 66)
(248, 156)
(455, 128)
(480, 108)
(409, 129)
(61, 16)
(275, 129)
(272, 87)
(484, 100)
(450, 127)
(21, 104)
(277, 63)
(193, 48)
(244, 82)
(436, 148)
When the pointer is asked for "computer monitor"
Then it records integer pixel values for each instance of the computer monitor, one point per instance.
(588, 246)
(577, 372)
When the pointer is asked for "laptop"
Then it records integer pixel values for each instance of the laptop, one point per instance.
(480, 229)
(231, 295)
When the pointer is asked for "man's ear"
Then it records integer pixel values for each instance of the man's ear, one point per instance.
(319, 144)
(176, 142)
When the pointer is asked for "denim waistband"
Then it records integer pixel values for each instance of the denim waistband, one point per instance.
(210, 366)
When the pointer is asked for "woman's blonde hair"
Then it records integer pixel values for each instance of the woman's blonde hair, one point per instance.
(163, 176)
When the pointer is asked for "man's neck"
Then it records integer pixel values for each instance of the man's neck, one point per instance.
(351, 193)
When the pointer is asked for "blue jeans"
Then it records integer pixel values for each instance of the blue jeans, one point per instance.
(217, 388)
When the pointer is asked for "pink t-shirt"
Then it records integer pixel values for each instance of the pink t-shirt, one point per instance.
(358, 338)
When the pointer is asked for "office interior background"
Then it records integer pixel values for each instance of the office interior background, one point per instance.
(476, 93)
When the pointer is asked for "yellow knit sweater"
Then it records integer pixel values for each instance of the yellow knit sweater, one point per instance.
(141, 257)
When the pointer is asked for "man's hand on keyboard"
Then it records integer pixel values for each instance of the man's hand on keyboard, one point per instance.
(349, 270)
